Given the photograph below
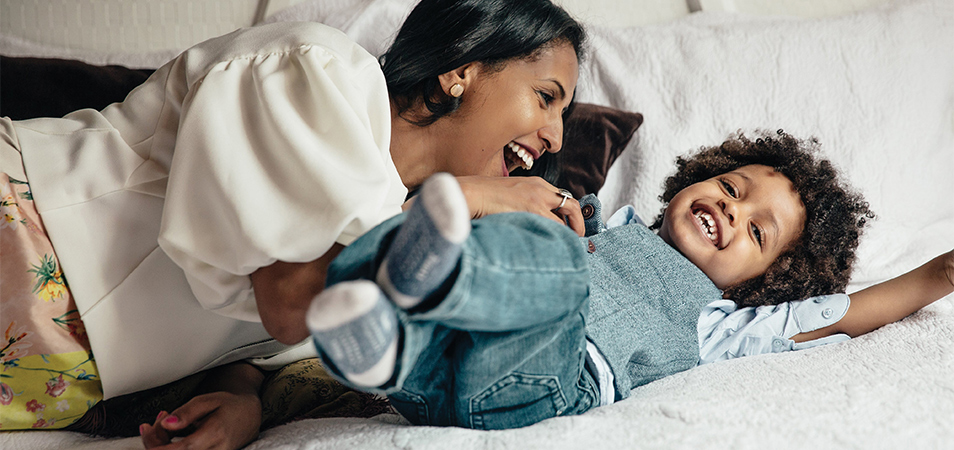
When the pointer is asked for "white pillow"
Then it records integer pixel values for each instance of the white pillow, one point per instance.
(875, 87)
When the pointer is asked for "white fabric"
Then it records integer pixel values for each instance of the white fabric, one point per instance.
(877, 88)
(604, 373)
(266, 145)
(728, 332)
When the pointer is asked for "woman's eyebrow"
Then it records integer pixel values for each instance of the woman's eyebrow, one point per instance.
(562, 93)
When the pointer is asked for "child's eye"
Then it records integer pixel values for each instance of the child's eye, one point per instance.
(728, 188)
(758, 234)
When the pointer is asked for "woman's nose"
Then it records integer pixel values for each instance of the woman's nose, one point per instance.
(552, 136)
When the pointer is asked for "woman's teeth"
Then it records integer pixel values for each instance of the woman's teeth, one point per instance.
(708, 224)
(525, 157)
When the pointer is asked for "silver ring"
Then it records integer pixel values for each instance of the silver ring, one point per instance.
(565, 194)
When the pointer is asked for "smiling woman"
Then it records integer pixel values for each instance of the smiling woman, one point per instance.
(506, 118)
(502, 80)
(215, 196)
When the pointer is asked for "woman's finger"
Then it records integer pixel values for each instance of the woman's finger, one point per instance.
(155, 435)
(193, 411)
(568, 209)
(573, 216)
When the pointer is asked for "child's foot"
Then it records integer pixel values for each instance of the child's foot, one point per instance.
(426, 249)
(357, 328)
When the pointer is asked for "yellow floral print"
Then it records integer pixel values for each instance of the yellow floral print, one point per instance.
(50, 284)
(48, 376)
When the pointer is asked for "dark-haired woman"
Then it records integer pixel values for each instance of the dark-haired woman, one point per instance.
(195, 220)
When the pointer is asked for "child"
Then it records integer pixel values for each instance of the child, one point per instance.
(509, 320)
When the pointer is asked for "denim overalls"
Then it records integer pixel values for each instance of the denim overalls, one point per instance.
(506, 347)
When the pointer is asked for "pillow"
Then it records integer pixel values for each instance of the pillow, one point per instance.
(36, 87)
(594, 136)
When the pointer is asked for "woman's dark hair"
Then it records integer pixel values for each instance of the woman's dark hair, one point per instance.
(819, 261)
(442, 35)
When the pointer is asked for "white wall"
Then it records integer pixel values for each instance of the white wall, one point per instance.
(129, 26)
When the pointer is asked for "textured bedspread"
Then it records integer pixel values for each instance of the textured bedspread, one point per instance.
(877, 89)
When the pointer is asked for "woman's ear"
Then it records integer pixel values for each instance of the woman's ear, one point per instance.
(457, 81)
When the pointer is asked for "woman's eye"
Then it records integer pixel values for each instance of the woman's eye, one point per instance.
(547, 98)
(728, 188)
(758, 234)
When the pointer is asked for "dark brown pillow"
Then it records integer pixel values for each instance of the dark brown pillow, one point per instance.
(36, 87)
(594, 136)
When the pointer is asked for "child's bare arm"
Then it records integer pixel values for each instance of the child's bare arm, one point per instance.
(892, 300)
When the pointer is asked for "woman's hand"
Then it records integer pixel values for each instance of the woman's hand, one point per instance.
(226, 419)
(492, 195)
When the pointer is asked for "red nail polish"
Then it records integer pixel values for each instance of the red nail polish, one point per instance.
(171, 419)
(141, 429)
(158, 417)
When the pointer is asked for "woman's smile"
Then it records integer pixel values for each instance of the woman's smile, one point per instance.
(518, 156)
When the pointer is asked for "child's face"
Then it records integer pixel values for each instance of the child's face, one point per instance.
(733, 226)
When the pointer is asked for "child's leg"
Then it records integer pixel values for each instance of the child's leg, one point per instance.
(501, 380)
(514, 272)
(426, 249)
(354, 323)
(356, 328)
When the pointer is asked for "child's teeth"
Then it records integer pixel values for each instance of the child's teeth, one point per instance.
(707, 223)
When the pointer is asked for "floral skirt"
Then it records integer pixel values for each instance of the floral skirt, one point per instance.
(48, 377)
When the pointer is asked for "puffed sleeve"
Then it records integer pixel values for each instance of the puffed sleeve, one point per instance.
(282, 150)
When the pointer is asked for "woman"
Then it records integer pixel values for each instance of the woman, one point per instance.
(198, 217)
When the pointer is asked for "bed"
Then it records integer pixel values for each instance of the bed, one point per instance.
(875, 86)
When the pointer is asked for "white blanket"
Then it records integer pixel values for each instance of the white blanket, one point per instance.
(877, 89)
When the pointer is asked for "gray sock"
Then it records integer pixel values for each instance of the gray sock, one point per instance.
(427, 248)
(356, 327)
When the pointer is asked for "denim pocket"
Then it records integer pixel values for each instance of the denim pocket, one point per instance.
(412, 406)
(589, 393)
(517, 400)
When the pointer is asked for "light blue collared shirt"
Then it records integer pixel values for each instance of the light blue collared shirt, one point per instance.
(727, 331)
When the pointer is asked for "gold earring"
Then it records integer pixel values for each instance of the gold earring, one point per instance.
(456, 90)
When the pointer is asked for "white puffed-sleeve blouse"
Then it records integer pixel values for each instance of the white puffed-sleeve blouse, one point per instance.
(270, 143)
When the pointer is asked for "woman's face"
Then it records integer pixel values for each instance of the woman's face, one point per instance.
(508, 118)
(735, 225)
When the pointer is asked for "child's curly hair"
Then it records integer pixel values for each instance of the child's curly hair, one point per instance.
(819, 261)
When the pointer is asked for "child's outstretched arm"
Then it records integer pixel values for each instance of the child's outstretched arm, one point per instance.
(892, 300)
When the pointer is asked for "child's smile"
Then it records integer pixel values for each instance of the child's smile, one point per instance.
(735, 225)
(707, 225)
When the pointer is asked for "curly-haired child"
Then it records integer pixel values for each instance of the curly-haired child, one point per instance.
(512, 319)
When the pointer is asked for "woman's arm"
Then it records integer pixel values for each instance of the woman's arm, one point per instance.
(892, 300)
(283, 292)
(227, 417)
